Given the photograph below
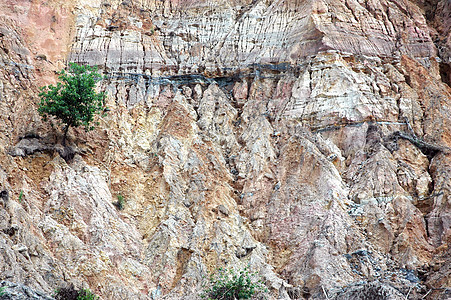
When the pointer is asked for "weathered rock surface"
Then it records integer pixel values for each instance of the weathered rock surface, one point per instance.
(308, 140)
(191, 36)
(13, 291)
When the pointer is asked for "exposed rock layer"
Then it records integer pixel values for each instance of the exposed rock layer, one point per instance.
(309, 140)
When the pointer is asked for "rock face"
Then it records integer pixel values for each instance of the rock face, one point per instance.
(308, 140)
(185, 37)
(16, 291)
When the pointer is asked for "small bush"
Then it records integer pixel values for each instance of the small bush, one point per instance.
(75, 101)
(120, 202)
(70, 293)
(86, 294)
(231, 285)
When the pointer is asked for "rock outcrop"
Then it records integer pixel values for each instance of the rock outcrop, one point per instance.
(307, 140)
(11, 290)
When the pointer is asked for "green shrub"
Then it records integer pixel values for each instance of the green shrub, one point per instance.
(86, 294)
(74, 101)
(2, 290)
(120, 202)
(71, 293)
(230, 285)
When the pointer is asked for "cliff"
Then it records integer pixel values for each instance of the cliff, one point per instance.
(308, 140)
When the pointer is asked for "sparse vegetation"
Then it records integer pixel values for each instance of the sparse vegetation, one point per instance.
(230, 284)
(70, 293)
(120, 202)
(74, 101)
(2, 290)
(20, 196)
(86, 294)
